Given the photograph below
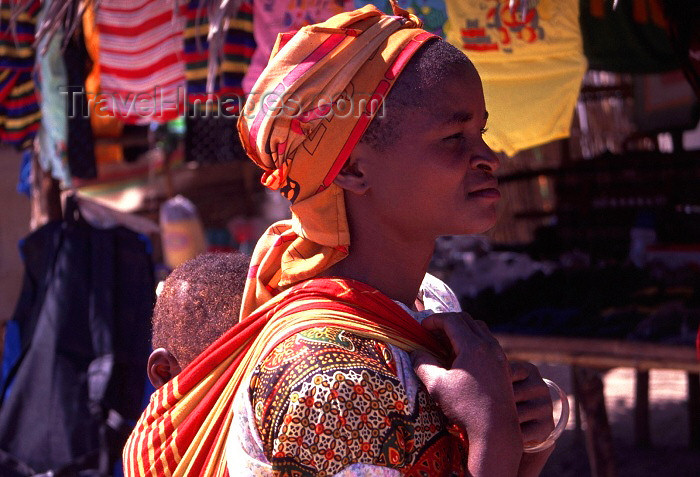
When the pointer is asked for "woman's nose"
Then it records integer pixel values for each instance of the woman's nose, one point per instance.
(486, 160)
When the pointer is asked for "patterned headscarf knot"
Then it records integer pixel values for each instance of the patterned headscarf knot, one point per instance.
(410, 20)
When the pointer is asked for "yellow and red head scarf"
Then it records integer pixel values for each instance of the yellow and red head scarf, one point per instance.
(307, 111)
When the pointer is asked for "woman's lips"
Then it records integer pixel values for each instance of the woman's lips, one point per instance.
(490, 193)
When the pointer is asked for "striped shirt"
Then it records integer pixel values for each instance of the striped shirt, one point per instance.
(141, 59)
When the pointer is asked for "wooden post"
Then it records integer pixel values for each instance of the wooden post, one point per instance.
(577, 407)
(597, 431)
(641, 410)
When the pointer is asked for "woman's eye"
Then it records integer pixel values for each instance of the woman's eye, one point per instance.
(458, 135)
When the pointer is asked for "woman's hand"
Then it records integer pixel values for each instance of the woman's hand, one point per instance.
(535, 408)
(535, 411)
(475, 391)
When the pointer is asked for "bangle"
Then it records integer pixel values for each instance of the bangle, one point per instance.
(559, 428)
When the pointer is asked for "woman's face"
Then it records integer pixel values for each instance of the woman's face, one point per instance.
(438, 177)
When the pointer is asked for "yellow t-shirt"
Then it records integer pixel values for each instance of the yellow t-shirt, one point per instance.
(531, 66)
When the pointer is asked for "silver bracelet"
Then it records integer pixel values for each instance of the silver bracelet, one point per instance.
(559, 428)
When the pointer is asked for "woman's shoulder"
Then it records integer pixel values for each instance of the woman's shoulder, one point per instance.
(327, 398)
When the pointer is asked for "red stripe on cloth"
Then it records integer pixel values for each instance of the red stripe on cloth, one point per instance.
(253, 271)
(12, 103)
(195, 56)
(406, 54)
(376, 99)
(157, 45)
(322, 50)
(10, 82)
(21, 39)
(20, 134)
(134, 30)
(143, 71)
(480, 46)
(234, 49)
(314, 57)
(111, 6)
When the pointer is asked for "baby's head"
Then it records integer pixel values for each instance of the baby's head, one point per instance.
(199, 302)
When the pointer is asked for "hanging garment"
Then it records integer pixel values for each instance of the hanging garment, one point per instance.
(19, 108)
(531, 66)
(684, 29)
(53, 132)
(212, 139)
(104, 123)
(432, 12)
(80, 145)
(237, 52)
(84, 334)
(271, 17)
(632, 38)
(141, 64)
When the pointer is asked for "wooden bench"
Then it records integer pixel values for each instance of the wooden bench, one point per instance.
(587, 357)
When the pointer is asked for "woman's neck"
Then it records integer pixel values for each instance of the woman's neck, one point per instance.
(393, 264)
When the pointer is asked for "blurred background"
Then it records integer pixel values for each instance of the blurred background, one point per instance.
(592, 272)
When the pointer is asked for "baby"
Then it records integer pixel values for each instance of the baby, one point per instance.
(200, 300)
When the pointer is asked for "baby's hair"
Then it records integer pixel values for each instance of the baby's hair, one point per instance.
(200, 301)
(430, 66)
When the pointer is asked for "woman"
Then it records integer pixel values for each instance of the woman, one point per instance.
(328, 387)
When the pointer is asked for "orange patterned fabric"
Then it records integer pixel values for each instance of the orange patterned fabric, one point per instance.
(306, 113)
(326, 399)
(183, 430)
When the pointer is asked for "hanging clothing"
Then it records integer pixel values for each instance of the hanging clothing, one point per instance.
(19, 108)
(531, 66)
(53, 132)
(103, 122)
(212, 139)
(632, 38)
(271, 17)
(238, 49)
(142, 72)
(80, 145)
(83, 319)
(432, 12)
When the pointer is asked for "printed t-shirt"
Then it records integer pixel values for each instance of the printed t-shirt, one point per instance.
(531, 66)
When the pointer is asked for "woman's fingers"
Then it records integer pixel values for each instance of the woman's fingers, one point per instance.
(428, 370)
(461, 330)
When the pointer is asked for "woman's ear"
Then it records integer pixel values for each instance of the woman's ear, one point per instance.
(353, 176)
(162, 367)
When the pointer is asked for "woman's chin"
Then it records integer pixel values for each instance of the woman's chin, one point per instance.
(478, 225)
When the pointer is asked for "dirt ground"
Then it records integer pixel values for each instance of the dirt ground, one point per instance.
(669, 454)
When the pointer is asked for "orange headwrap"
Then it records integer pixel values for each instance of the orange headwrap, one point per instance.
(308, 110)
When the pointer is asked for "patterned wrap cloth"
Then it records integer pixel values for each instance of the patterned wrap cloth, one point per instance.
(303, 118)
(184, 429)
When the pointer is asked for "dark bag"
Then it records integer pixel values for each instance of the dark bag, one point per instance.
(84, 323)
